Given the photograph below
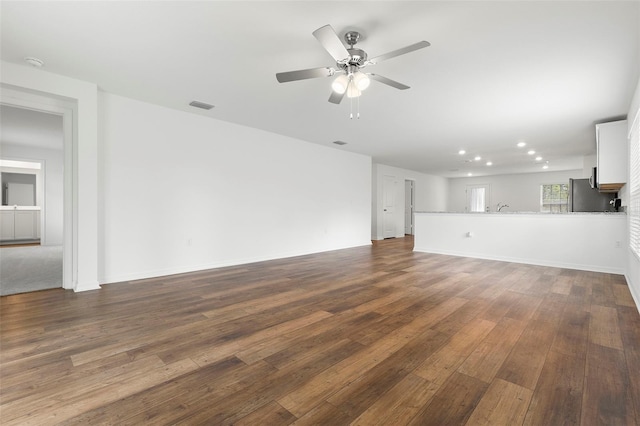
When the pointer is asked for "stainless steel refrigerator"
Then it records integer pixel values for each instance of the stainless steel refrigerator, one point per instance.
(583, 198)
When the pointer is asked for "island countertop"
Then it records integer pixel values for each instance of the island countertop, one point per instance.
(22, 208)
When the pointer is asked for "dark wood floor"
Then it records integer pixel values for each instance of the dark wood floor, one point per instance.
(371, 335)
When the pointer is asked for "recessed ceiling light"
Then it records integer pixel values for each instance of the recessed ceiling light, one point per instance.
(545, 166)
(538, 158)
(462, 152)
(34, 62)
(477, 158)
(469, 174)
(489, 163)
(521, 144)
(531, 152)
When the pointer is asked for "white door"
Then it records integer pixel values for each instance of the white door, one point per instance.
(388, 207)
(478, 198)
(408, 207)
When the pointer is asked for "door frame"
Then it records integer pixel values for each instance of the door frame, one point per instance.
(411, 204)
(50, 105)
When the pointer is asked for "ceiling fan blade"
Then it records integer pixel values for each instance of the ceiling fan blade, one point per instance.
(388, 81)
(394, 53)
(336, 98)
(331, 42)
(284, 77)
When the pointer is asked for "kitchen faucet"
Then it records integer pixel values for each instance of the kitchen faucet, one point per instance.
(501, 206)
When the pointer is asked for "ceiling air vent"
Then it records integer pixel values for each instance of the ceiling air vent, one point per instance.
(339, 143)
(200, 105)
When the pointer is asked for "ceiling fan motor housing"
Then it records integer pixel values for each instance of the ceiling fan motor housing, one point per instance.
(357, 56)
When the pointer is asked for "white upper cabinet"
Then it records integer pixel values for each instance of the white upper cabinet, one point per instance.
(613, 158)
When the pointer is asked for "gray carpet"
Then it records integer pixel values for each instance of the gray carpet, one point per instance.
(24, 269)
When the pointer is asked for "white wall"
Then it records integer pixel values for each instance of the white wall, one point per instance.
(183, 192)
(430, 194)
(520, 191)
(52, 232)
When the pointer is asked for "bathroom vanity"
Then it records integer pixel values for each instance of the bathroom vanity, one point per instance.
(19, 224)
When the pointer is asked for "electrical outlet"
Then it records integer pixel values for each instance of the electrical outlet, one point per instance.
(618, 244)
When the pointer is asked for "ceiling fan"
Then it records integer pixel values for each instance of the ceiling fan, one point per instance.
(349, 62)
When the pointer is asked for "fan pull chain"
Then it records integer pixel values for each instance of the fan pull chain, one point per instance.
(350, 105)
(358, 106)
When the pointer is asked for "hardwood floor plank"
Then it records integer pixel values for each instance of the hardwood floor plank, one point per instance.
(461, 317)
(339, 327)
(195, 383)
(503, 403)
(453, 403)
(330, 381)
(400, 404)
(500, 306)
(602, 293)
(622, 295)
(439, 366)
(524, 364)
(562, 285)
(320, 414)
(61, 411)
(573, 331)
(487, 358)
(221, 351)
(629, 322)
(607, 396)
(191, 397)
(74, 385)
(270, 414)
(557, 399)
(551, 308)
(369, 335)
(274, 386)
(603, 327)
(361, 393)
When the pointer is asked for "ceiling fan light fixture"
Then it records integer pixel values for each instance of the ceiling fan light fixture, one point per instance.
(340, 84)
(361, 80)
(353, 91)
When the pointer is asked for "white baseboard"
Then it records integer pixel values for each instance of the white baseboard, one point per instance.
(140, 275)
(86, 286)
(538, 262)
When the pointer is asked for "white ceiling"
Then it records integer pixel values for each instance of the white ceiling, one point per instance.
(496, 72)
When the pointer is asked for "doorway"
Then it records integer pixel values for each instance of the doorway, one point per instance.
(33, 258)
(409, 198)
(388, 207)
(478, 198)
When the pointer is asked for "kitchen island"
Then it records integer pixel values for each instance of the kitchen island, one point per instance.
(586, 241)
